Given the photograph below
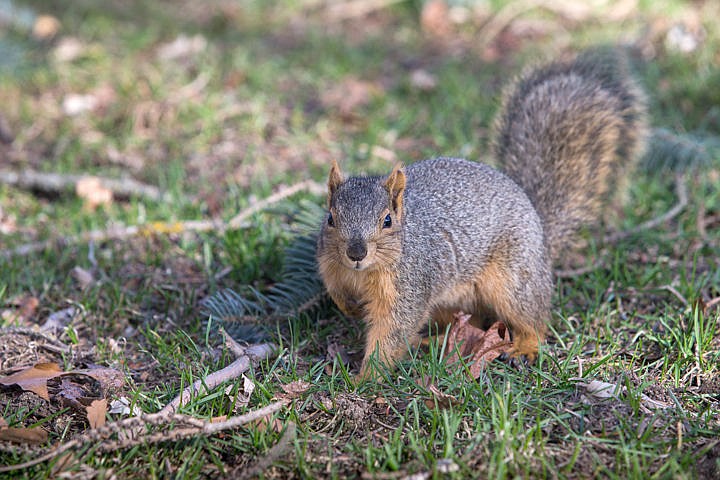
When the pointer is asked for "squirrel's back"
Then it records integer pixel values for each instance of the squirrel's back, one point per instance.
(458, 213)
(567, 133)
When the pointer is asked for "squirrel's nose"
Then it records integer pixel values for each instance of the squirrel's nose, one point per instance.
(357, 250)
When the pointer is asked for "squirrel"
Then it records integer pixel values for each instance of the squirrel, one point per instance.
(448, 234)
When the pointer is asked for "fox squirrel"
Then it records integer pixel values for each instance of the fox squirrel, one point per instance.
(448, 234)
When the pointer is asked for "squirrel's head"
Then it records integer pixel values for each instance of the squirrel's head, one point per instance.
(363, 226)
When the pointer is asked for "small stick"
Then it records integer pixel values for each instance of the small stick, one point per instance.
(682, 194)
(674, 291)
(307, 185)
(198, 427)
(119, 233)
(276, 452)
(576, 272)
(680, 189)
(711, 303)
(58, 182)
(234, 370)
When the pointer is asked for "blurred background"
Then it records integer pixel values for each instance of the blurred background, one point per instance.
(193, 110)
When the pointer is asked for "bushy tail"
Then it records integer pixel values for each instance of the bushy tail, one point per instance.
(567, 133)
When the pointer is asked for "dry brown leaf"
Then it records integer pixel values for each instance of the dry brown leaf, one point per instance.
(294, 389)
(435, 18)
(269, 423)
(83, 277)
(96, 413)
(57, 321)
(45, 27)
(243, 394)
(34, 379)
(92, 191)
(26, 307)
(23, 435)
(440, 399)
(481, 346)
(335, 350)
(111, 380)
(77, 388)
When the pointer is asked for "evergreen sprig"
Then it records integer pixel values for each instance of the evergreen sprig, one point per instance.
(298, 289)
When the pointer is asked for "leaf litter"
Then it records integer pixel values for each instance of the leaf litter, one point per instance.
(474, 344)
(83, 390)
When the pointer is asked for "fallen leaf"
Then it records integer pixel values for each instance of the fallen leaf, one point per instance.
(423, 80)
(83, 277)
(121, 406)
(68, 49)
(435, 18)
(182, 47)
(243, 394)
(335, 350)
(26, 308)
(23, 435)
(440, 399)
(604, 390)
(481, 346)
(92, 191)
(295, 389)
(45, 27)
(446, 466)
(57, 321)
(269, 423)
(96, 413)
(34, 379)
(111, 380)
(76, 103)
(77, 388)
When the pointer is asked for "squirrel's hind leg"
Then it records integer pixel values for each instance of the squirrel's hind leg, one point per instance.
(522, 304)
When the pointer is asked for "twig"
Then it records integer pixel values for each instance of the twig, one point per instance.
(674, 291)
(682, 194)
(234, 370)
(277, 451)
(119, 233)
(576, 272)
(99, 436)
(57, 182)
(36, 334)
(711, 303)
(307, 185)
(231, 344)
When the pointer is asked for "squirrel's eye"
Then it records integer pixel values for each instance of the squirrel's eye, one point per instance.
(330, 220)
(387, 223)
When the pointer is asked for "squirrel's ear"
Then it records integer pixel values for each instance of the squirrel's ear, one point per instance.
(334, 179)
(395, 185)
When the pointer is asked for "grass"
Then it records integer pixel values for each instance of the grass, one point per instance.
(261, 105)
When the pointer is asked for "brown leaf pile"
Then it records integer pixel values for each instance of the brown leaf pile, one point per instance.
(83, 390)
(475, 345)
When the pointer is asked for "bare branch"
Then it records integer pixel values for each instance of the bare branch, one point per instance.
(122, 232)
(234, 370)
(58, 183)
